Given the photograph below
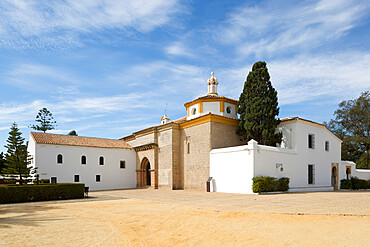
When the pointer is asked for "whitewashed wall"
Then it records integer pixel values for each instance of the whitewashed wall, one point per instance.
(111, 175)
(360, 173)
(235, 167)
(232, 169)
(212, 107)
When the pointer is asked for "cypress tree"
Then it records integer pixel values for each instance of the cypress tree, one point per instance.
(258, 108)
(16, 157)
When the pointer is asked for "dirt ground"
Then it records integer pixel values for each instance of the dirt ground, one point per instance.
(182, 218)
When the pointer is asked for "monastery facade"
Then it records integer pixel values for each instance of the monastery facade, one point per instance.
(175, 154)
(188, 152)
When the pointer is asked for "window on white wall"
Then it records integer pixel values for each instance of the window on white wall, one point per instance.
(77, 178)
(122, 164)
(311, 141)
(53, 180)
(101, 160)
(193, 111)
(60, 159)
(327, 146)
(311, 174)
(228, 109)
(83, 160)
(97, 178)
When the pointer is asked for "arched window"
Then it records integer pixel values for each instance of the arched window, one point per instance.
(60, 159)
(83, 160)
(101, 160)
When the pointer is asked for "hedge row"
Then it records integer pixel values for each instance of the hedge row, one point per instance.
(270, 184)
(28, 193)
(354, 184)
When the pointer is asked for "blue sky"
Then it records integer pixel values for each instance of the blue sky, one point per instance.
(106, 68)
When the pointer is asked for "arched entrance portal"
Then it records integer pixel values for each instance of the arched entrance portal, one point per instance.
(334, 176)
(144, 176)
(348, 173)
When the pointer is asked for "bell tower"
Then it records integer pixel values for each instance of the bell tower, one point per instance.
(212, 85)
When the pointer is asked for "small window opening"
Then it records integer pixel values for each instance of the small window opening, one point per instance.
(122, 164)
(311, 141)
(228, 110)
(327, 146)
(77, 178)
(101, 160)
(97, 178)
(311, 174)
(60, 159)
(193, 111)
(83, 160)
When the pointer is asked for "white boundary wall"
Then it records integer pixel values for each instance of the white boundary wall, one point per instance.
(360, 173)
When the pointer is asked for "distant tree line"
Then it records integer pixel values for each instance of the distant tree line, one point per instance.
(352, 125)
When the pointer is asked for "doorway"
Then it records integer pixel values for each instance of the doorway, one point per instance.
(148, 176)
(334, 176)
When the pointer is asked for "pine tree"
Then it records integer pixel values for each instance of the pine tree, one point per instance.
(16, 157)
(258, 108)
(2, 161)
(45, 121)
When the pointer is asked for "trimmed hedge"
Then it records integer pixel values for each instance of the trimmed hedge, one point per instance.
(270, 184)
(29, 193)
(354, 183)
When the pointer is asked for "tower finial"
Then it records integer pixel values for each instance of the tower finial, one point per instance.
(165, 119)
(212, 84)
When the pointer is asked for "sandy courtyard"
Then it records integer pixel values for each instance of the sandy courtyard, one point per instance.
(182, 218)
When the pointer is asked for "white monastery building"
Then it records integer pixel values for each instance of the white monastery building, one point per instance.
(101, 164)
(186, 153)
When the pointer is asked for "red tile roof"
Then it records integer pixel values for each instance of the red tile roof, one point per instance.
(298, 118)
(180, 120)
(44, 138)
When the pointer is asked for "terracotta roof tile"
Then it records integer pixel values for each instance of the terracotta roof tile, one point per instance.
(180, 120)
(298, 118)
(43, 138)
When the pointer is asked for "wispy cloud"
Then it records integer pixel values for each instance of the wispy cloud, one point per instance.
(267, 30)
(40, 77)
(54, 24)
(306, 78)
(178, 49)
(163, 78)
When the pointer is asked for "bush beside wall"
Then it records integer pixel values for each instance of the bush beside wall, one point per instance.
(28, 193)
(354, 184)
(270, 184)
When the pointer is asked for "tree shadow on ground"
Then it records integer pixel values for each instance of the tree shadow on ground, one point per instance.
(24, 215)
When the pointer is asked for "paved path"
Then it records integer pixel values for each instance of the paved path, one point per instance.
(336, 203)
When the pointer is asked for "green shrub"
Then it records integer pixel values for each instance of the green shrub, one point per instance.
(283, 184)
(44, 181)
(9, 181)
(354, 184)
(359, 183)
(45, 192)
(345, 184)
(269, 184)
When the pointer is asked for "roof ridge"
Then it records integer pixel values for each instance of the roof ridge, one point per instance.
(76, 136)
